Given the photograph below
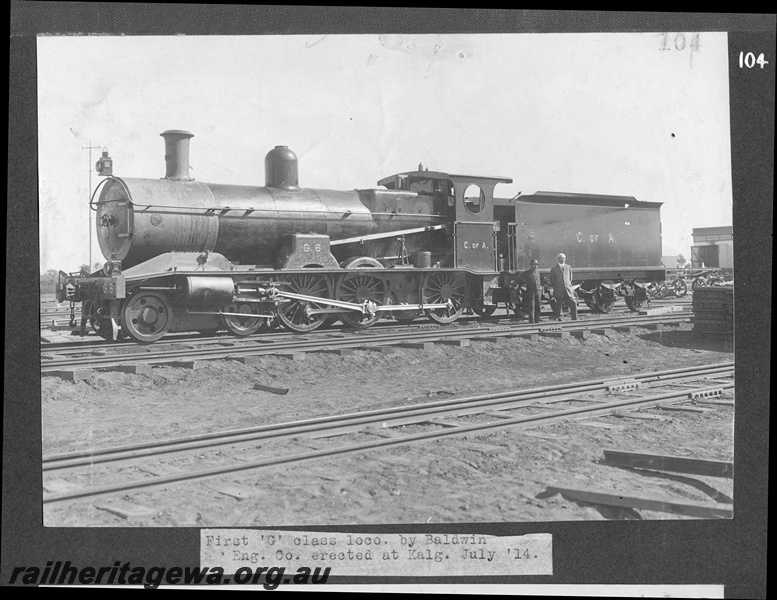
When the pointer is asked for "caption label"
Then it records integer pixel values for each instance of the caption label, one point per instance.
(409, 554)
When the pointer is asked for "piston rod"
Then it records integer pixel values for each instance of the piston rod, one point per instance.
(229, 314)
(366, 307)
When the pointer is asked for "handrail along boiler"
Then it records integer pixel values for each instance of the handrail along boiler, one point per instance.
(182, 255)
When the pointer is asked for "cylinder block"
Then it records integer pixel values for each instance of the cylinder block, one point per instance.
(207, 291)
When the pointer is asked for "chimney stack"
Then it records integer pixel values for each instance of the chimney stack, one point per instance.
(177, 154)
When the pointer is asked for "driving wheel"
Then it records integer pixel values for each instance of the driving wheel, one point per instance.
(358, 288)
(439, 288)
(293, 314)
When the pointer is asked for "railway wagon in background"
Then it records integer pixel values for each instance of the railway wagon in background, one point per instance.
(613, 243)
(184, 255)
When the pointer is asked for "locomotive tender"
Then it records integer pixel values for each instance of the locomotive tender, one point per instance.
(182, 255)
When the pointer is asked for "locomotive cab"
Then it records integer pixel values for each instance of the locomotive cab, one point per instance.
(469, 206)
(469, 198)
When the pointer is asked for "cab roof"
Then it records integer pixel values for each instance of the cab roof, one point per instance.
(426, 174)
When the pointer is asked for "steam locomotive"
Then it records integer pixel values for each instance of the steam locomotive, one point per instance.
(182, 255)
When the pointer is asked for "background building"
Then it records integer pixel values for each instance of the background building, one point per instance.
(713, 247)
(670, 262)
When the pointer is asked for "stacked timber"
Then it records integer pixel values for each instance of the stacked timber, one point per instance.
(713, 311)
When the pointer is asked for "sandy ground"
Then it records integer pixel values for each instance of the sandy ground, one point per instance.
(493, 477)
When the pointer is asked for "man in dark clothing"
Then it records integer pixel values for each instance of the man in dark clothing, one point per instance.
(561, 280)
(533, 290)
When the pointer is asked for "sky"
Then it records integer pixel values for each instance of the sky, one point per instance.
(629, 114)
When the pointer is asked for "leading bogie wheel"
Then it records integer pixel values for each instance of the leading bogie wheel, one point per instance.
(239, 325)
(293, 314)
(440, 288)
(146, 317)
(106, 328)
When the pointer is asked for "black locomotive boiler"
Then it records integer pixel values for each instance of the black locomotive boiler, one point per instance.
(182, 255)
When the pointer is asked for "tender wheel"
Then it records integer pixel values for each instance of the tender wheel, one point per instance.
(146, 317)
(679, 287)
(241, 326)
(358, 288)
(439, 288)
(518, 300)
(634, 304)
(485, 310)
(292, 314)
(699, 282)
(601, 300)
(714, 281)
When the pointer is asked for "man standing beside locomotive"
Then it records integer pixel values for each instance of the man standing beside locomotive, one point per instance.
(533, 290)
(561, 281)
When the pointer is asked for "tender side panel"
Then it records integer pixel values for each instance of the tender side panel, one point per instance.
(591, 236)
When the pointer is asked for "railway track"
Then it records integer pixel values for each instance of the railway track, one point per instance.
(58, 318)
(603, 397)
(281, 334)
(275, 335)
(243, 349)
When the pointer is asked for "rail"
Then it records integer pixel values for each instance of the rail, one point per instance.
(343, 341)
(390, 417)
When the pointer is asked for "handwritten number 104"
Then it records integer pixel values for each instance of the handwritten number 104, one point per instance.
(680, 42)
